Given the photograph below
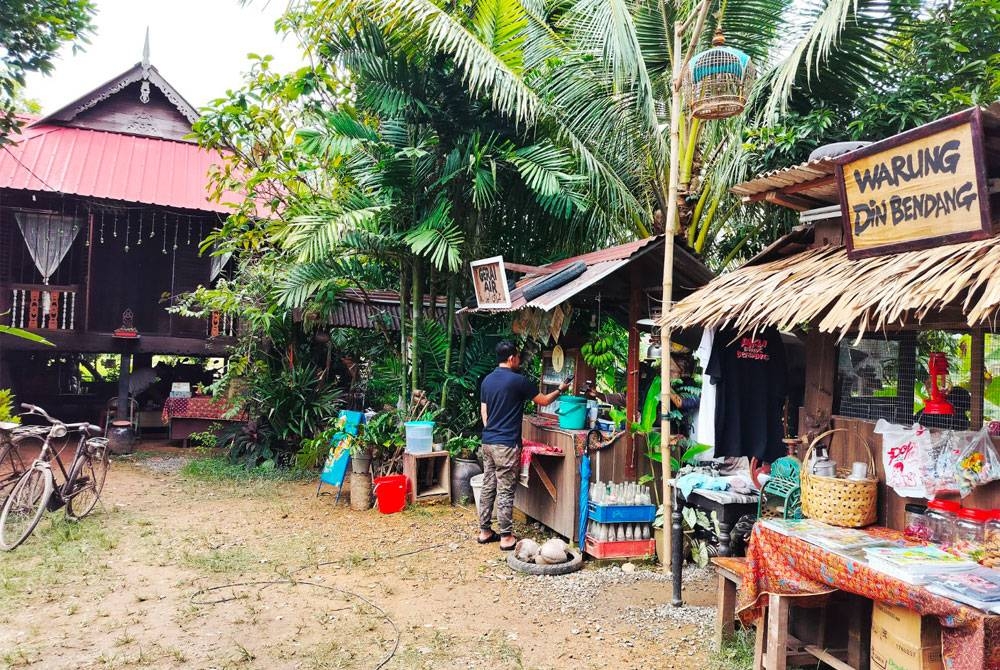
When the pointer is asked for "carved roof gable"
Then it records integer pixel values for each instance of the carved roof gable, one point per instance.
(130, 90)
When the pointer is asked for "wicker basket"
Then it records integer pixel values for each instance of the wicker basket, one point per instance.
(840, 502)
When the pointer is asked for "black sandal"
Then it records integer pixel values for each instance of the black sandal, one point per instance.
(511, 547)
(494, 537)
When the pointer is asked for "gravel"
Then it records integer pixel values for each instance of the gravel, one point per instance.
(586, 592)
(164, 465)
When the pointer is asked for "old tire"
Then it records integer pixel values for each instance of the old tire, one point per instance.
(554, 280)
(569, 566)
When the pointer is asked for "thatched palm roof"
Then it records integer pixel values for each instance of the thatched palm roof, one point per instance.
(825, 289)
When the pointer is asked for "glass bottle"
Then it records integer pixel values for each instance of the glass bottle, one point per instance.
(917, 525)
(991, 540)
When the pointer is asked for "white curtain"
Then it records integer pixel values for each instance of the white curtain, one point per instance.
(219, 262)
(49, 237)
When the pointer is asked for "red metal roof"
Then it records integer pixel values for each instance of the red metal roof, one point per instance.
(620, 252)
(116, 166)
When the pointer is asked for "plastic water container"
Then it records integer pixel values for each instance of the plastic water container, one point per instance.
(419, 437)
(477, 486)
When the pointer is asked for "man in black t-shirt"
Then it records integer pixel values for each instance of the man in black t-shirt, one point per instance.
(503, 394)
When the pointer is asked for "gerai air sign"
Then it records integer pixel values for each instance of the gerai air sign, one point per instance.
(923, 188)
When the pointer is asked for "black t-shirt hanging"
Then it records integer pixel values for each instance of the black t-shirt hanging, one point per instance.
(750, 373)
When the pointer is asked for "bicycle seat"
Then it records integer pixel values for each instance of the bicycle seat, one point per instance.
(93, 431)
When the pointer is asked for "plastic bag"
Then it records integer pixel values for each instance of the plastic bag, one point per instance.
(903, 450)
(977, 463)
(940, 460)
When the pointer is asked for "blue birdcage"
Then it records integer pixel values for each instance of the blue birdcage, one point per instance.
(717, 81)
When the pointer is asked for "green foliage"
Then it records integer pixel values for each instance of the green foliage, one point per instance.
(31, 32)
(607, 352)
(8, 411)
(297, 402)
(383, 434)
(313, 450)
(462, 447)
(224, 470)
(697, 526)
(207, 439)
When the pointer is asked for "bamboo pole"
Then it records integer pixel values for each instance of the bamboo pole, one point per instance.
(668, 288)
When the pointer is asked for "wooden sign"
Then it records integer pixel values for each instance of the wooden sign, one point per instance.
(490, 281)
(920, 189)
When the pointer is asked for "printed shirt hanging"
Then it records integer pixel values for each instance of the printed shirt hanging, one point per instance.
(49, 237)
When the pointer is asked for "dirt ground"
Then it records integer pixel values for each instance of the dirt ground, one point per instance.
(176, 572)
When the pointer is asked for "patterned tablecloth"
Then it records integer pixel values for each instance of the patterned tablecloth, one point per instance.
(786, 565)
(202, 407)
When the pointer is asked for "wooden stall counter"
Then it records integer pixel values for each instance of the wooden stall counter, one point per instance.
(551, 491)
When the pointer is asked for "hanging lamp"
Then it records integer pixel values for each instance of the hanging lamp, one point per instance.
(716, 82)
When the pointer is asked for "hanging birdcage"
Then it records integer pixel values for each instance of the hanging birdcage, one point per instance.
(717, 82)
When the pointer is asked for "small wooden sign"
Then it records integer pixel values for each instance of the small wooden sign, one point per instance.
(490, 281)
(920, 189)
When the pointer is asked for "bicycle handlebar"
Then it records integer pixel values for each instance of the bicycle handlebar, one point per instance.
(82, 426)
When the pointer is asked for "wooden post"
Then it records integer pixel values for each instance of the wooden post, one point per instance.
(125, 372)
(632, 370)
(87, 283)
(670, 223)
(977, 384)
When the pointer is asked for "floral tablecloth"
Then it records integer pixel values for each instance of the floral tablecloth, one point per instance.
(786, 565)
(199, 407)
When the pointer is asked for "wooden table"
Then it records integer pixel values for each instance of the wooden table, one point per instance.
(186, 416)
(728, 514)
(553, 492)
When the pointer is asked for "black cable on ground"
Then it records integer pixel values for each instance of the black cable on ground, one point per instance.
(291, 582)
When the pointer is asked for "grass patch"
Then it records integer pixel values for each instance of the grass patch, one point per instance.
(737, 653)
(234, 560)
(216, 469)
(57, 548)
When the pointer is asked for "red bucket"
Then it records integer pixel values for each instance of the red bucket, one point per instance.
(390, 493)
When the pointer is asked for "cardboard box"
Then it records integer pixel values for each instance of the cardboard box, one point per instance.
(890, 653)
(906, 625)
(903, 640)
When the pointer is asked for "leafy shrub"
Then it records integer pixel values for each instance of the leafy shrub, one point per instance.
(7, 411)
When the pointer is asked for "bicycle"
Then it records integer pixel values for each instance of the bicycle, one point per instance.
(13, 440)
(36, 491)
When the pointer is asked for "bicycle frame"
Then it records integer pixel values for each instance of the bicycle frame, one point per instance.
(65, 491)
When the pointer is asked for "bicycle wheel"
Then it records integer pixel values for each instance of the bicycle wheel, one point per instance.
(15, 457)
(24, 506)
(88, 478)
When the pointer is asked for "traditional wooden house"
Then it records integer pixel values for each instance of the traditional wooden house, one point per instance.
(103, 205)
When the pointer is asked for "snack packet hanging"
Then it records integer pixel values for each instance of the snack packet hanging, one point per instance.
(939, 462)
(903, 449)
(977, 463)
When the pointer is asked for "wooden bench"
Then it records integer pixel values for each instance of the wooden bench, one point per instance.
(775, 648)
(730, 573)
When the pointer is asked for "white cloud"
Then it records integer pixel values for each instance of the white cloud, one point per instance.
(199, 46)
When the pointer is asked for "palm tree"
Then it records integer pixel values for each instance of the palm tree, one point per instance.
(594, 75)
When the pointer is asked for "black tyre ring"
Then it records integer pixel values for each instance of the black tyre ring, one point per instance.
(554, 280)
(569, 566)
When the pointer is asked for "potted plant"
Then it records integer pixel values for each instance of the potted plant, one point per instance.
(464, 466)
(382, 440)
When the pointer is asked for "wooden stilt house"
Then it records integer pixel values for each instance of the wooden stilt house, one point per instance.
(103, 205)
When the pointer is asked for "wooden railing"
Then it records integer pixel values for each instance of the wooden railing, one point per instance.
(221, 324)
(41, 307)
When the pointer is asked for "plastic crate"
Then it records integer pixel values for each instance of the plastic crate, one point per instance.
(621, 513)
(628, 549)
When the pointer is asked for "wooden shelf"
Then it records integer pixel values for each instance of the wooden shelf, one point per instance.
(429, 476)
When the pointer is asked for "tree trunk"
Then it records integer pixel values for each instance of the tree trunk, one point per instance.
(450, 306)
(403, 291)
(416, 305)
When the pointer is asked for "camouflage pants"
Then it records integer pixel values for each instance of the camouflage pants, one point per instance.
(501, 465)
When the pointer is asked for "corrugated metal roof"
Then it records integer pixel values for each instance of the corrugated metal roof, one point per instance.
(368, 309)
(600, 264)
(116, 166)
(802, 173)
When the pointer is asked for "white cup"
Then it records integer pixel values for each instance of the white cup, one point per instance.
(859, 470)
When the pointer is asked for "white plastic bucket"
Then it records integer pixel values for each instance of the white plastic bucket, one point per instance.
(477, 485)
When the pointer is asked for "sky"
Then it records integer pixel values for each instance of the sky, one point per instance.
(199, 46)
